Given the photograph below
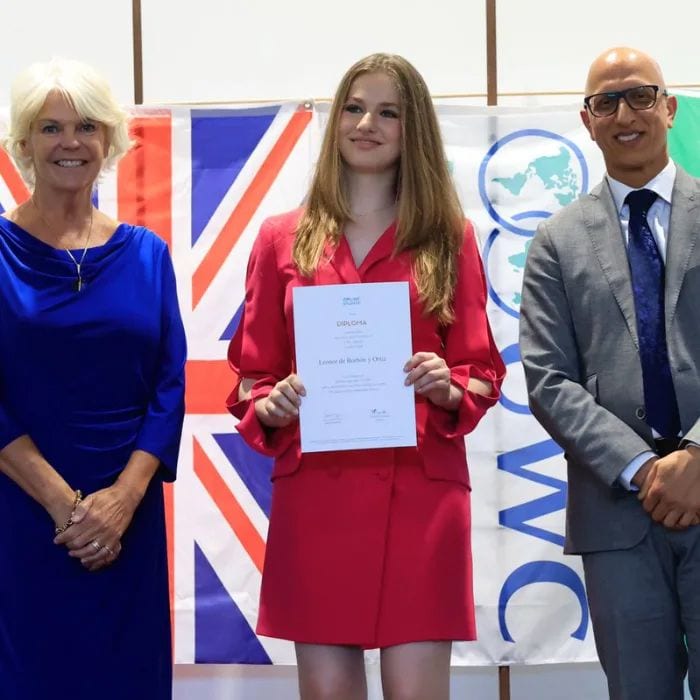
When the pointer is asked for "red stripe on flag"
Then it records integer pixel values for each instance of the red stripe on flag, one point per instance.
(12, 179)
(144, 182)
(208, 383)
(248, 204)
(229, 506)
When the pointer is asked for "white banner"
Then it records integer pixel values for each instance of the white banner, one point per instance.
(514, 168)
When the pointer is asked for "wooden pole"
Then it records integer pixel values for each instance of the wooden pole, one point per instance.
(492, 100)
(491, 54)
(504, 682)
(138, 51)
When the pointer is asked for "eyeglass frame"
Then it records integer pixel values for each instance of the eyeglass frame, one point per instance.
(622, 95)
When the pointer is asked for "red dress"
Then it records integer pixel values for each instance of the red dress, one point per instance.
(365, 547)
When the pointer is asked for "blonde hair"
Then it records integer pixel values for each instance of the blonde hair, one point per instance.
(84, 89)
(430, 217)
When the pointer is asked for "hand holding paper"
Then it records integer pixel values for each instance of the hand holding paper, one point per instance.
(430, 377)
(281, 406)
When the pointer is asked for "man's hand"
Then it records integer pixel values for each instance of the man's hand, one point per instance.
(645, 475)
(670, 490)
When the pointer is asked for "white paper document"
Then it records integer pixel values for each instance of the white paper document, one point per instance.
(352, 341)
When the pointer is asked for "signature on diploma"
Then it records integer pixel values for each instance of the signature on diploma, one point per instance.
(330, 418)
(379, 414)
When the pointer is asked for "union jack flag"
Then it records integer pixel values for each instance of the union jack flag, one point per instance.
(204, 179)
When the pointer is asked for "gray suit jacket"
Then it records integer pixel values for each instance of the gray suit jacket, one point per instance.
(579, 347)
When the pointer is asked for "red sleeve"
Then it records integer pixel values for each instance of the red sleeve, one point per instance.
(470, 350)
(260, 348)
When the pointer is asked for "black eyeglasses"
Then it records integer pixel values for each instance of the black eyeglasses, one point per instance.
(604, 104)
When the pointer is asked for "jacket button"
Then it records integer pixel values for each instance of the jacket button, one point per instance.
(640, 413)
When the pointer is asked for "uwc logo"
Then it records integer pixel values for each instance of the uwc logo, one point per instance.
(524, 178)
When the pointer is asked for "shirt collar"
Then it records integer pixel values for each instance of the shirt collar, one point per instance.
(662, 184)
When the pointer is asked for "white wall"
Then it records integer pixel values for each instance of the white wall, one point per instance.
(547, 45)
(96, 32)
(245, 49)
(235, 50)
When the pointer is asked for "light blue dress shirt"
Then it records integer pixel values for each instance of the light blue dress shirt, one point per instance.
(659, 217)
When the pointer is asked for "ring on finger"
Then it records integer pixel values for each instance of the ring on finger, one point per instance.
(96, 545)
(109, 550)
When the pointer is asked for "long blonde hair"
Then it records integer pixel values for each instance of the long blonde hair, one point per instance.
(430, 217)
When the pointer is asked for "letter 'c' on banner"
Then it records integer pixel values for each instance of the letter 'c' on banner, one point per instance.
(543, 572)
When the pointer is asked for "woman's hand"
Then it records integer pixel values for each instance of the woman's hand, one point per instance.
(281, 406)
(99, 522)
(430, 377)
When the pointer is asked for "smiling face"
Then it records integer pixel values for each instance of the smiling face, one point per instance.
(633, 142)
(369, 128)
(67, 152)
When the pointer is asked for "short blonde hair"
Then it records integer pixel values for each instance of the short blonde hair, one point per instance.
(84, 89)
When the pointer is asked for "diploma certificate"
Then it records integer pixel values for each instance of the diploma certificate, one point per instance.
(352, 341)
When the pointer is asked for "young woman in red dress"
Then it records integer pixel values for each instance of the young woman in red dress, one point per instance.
(371, 548)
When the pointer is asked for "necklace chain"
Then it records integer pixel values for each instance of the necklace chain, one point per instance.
(78, 263)
(372, 211)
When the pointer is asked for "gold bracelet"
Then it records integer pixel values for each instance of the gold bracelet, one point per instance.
(69, 522)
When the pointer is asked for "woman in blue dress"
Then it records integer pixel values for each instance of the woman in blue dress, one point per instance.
(92, 354)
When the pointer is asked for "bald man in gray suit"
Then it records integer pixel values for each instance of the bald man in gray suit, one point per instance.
(610, 342)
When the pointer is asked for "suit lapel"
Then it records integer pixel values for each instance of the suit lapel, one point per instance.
(683, 233)
(603, 224)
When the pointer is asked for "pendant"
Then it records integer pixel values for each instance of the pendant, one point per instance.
(78, 285)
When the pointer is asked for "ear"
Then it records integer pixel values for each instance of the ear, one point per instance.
(25, 148)
(106, 145)
(586, 119)
(671, 109)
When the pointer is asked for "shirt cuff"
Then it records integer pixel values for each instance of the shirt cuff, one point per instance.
(632, 468)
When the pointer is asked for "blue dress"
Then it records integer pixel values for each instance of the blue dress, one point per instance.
(90, 376)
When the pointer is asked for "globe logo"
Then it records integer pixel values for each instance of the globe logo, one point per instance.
(524, 178)
(528, 175)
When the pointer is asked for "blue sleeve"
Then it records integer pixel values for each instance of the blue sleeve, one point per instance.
(162, 425)
(10, 429)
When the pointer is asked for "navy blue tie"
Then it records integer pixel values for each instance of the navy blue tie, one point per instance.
(647, 268)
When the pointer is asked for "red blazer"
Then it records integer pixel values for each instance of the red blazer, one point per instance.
(263, 347)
